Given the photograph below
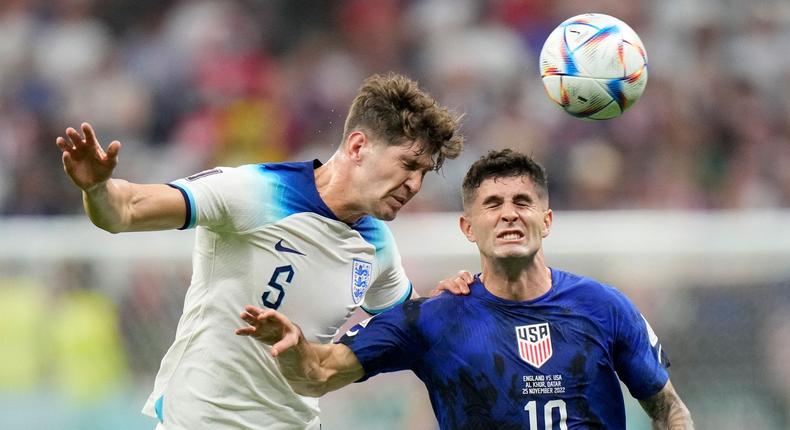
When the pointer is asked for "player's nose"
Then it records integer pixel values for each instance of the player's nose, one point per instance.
(414, 182)
(508, 213)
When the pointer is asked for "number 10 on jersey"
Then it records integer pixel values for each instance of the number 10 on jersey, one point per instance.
(548, 414)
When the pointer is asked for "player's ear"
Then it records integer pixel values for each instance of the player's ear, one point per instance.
(548, 218)
(356, 145)
(466, 228)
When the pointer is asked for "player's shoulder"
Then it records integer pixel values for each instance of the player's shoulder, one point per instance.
(446, 303)
(427, 306)
(424, 315)
(283, 167)
(286, 171)
(376, 232)
(584, 287)
(258, 169)
(370, 223)
(241, 173)
(241, 178)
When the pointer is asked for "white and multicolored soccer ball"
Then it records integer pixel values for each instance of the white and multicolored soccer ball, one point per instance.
(594, 66)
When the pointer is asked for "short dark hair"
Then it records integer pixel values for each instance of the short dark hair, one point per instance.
(395, 109)
(504, 164)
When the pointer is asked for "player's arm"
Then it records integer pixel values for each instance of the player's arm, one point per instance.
(667, 410)
(311, 369)
(642, 363)
(112, 204)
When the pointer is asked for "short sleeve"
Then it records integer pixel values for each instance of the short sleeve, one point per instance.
(222, 198)
(391, 287)
(640, 360)
(387, 342)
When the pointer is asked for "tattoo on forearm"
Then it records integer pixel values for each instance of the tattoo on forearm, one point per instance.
(668, 411)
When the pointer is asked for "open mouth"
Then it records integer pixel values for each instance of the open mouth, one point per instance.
(510, 235)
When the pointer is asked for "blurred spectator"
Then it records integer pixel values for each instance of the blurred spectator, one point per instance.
(87, 361)
(23, 301)
(192, 84)
(148, 313)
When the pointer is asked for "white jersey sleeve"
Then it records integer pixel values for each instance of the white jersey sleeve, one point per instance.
(391, 287)
(228, 199)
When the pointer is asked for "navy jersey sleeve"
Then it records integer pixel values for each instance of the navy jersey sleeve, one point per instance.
(387, 342)
(639, 359)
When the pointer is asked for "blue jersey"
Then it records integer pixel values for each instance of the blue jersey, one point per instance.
(548, 363)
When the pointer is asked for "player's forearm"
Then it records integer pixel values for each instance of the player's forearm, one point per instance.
(677, 418)
(667, 410)
(117, 205)
(314, 370)
(107, 205)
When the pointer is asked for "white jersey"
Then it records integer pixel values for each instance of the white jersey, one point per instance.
(265, 237)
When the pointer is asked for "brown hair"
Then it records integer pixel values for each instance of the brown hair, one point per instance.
(504, 164)
(396, 110)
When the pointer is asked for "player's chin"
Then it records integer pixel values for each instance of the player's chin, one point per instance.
(513, 251)
(388, 212)
(387, 215)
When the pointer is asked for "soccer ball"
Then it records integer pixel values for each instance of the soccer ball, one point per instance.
(593, 66)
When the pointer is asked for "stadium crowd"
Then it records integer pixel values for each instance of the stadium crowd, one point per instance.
(187, 85)
(191, 84)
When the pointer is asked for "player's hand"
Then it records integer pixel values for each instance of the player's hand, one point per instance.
(458, 285)
(269, 327)
(84, 160)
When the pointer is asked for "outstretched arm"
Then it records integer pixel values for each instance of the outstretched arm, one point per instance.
(116, 205)
(667, 410)
(311, 369)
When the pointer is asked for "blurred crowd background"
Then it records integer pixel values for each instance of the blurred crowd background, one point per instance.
(190, 84)
(187, 85)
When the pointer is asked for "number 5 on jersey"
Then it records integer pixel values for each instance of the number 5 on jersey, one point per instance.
(274, 294)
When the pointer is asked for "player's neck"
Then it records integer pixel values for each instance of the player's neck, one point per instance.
(332, 183)
(517, 280)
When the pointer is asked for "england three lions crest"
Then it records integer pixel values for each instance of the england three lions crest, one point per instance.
(361, 272)
(534, 343)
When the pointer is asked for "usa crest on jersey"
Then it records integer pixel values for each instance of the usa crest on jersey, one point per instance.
(360, 279)
(534, 343)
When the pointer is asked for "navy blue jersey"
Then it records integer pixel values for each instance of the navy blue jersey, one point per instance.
(548, 363)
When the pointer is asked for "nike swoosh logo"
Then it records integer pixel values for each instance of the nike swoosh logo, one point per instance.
(351, 333)
(282, 248)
